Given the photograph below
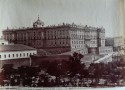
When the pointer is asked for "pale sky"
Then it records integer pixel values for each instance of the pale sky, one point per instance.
(98, 13)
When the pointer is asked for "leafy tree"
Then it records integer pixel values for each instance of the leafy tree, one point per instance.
(76, 65)
(7, 69)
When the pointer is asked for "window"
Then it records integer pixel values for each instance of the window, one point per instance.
(0, 56)
(23, 54)
(4, 56)
(17, 55)
(13, 55)
(9, 55)
(27, 54)
(20, 54)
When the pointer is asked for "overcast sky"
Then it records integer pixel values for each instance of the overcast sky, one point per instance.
(98, 13)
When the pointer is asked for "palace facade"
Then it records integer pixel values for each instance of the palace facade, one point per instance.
(58, 39)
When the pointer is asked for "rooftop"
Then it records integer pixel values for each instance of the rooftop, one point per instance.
(38, 24)
(15, 47)
(57, 26)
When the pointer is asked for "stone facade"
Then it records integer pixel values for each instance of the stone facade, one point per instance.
(57, 39)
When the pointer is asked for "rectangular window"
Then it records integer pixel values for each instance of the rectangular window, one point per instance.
(27, 54)
(13, 55)
(23, 54)
(17, 55)
(9, 55)
(0, 56)
(4, 56)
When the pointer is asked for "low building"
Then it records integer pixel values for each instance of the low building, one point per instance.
(115, 42)
(105, 50)
(15, 52)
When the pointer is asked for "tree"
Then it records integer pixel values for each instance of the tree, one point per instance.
(7, 69)
(58, 68)
(75, 66)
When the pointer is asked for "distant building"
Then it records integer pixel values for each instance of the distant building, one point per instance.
(109, 42)
(3, 42)
(58, 39)
(115, 42)
(118, 41)
(105, 50)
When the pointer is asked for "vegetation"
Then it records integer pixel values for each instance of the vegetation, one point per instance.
(66, 73)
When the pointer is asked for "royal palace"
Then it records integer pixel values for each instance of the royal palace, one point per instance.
(58, 38)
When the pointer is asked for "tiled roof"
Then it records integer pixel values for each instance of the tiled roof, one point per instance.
(15, 47)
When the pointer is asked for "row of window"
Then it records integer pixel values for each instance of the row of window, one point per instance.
(57, 32)
(30, 36)
(76, 36)
(60, 43)
(91, 36)
(17, 55)
(50, 35)
(24, 36)
(91, 42)
(56, 37)
(78, 46)
(106, 50)
(9, 37)
(77, 31)
(77, 42)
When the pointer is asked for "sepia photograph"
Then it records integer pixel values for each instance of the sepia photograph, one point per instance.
(62, 44)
